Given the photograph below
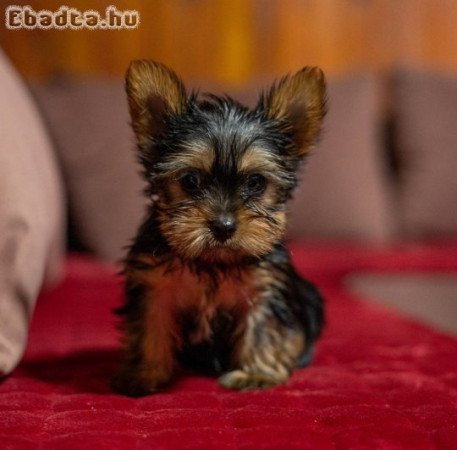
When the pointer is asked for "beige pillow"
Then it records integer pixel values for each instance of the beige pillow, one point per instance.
(426, 118)
(31, 214)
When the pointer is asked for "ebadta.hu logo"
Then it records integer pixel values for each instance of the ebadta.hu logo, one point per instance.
(66, 17)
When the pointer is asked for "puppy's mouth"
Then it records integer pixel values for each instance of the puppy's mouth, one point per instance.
(226, 251)
(222, 248)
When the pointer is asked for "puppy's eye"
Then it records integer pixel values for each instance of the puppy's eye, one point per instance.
(256, 183)
(191, 182)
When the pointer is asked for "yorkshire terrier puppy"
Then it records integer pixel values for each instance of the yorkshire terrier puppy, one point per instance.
(209, 282)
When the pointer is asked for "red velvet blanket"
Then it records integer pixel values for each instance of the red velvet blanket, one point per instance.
(378, 381)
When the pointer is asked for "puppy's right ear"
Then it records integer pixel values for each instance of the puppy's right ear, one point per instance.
(154, 93)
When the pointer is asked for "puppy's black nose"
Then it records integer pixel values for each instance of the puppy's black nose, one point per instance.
(223, 227)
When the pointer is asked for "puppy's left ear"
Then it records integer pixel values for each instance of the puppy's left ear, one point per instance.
(298, 101)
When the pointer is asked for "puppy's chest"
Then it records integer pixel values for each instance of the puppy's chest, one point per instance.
(202, 301)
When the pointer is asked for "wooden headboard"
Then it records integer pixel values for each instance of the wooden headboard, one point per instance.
(232, 41)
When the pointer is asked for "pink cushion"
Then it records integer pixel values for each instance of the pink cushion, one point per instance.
(426, 117)
(31, 214)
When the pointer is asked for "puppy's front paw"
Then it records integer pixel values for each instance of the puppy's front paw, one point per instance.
(244, 381)
(130, 384)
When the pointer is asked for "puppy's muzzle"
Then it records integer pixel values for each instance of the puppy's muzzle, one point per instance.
(223, 227)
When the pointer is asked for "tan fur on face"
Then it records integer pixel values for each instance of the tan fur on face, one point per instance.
(188, 233)
(194, 155)
(185, 226)
(257, 235)
(257, 159)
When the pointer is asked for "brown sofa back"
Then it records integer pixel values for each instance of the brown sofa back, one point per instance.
(347, 191)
